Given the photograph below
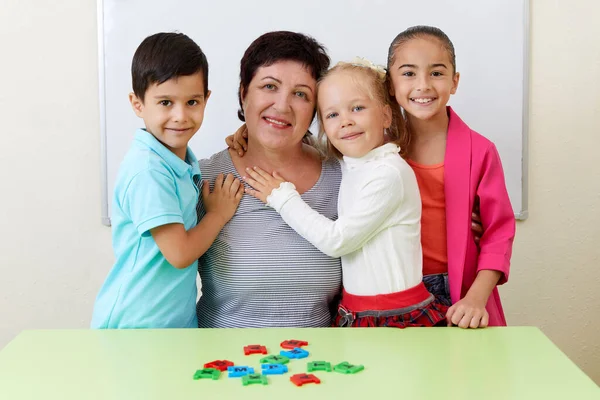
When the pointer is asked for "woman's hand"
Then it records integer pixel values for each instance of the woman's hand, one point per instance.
(238, 141)
(262, 182)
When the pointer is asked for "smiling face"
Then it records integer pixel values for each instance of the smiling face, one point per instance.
(353, 120)
(279, 105)
(423, 78)
(173, 111)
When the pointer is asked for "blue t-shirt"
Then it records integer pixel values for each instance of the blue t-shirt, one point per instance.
(154, 187)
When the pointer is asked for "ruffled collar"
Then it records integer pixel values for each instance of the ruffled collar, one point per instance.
(376, 154)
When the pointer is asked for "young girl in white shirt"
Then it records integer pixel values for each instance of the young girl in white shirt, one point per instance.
(377, 233)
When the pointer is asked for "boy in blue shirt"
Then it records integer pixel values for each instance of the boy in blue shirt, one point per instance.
(156, 237)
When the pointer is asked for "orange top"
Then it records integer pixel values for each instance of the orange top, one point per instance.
(433, 217)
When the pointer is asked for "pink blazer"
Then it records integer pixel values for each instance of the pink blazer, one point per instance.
(473, 172)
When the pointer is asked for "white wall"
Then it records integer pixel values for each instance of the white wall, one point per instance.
(555, 281)
(54, 253)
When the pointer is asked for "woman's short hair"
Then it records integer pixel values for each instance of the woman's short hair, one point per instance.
(272, 47)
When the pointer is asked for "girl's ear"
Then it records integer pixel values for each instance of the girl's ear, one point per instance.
(387, 116)
(455, 80)
(136, 104)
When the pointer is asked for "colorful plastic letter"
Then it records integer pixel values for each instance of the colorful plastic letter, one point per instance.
(255, 349)
(347, 368)
(207, 373)
(274, 369)
(302, 379)
(318, 366)
(221, 365)
(254, 379)
(292, 344)
(238, 371)
(274, 359)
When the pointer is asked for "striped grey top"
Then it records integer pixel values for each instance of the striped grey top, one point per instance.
(259, 272)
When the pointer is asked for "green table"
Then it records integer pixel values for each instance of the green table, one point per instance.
(415, 363)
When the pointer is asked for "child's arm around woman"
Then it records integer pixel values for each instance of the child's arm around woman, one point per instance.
(374, 199)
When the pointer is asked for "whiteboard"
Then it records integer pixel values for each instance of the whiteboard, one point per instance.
(490, 37)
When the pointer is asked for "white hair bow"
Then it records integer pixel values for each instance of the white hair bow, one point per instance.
(363, 62)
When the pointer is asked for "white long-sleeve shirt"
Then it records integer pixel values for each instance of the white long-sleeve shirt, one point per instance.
(378, 230)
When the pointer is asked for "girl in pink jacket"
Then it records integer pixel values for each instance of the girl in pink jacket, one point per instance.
(457, 171)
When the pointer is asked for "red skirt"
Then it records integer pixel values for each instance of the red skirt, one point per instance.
(414, 307)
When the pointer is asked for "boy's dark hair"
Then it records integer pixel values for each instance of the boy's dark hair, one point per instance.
(164, 56)
(417, 32)
(281, 46)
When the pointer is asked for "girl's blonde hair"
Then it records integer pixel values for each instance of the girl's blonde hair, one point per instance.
(378, 84)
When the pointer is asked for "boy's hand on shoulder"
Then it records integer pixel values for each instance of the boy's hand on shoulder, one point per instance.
(468, 313)
(223, 201)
